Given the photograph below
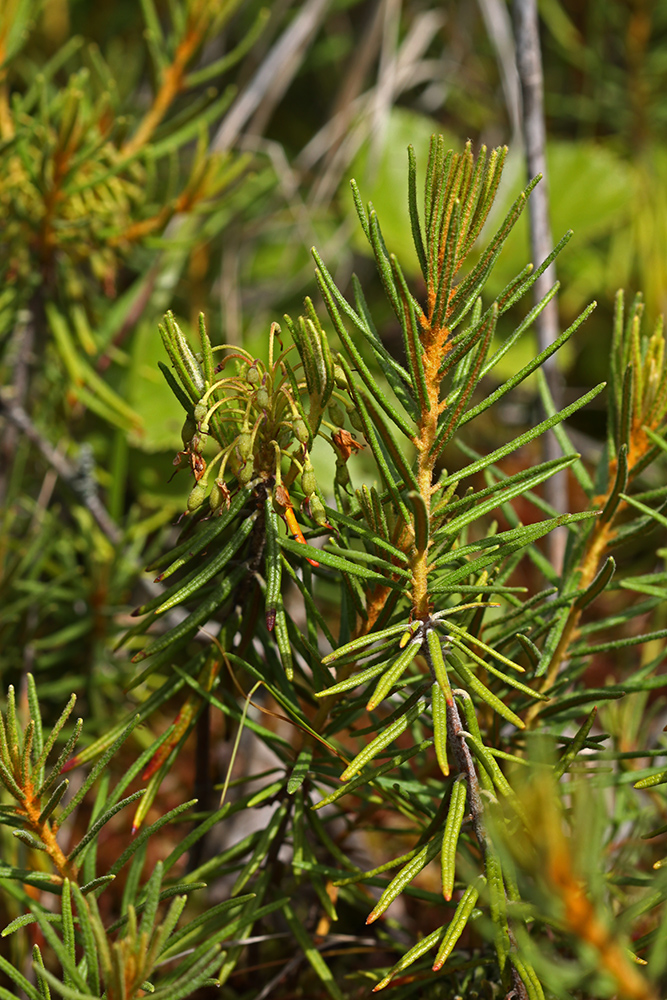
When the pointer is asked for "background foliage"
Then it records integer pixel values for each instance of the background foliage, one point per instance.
(186, 157)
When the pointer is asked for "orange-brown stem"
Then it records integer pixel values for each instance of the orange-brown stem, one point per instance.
(601, 535)
(171, 85)
(32, 810)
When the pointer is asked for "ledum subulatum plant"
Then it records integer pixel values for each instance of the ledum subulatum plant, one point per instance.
(433, 739)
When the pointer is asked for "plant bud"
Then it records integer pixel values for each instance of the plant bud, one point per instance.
(301, 431)
(188, 430)
(197, 497)
(336, 413)
(200, 412)
(252, 375)
(308, 481)
(198, 442)
(339, 377)
(244, 445)
(245, 473)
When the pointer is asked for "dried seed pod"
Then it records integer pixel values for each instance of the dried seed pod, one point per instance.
(346, 444)
(281, 499)
(197, 464)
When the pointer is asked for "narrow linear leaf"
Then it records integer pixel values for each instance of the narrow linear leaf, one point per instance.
(480, 689)
(320, 967)
(383, 740)
(394, 673)
(455, 814)
(439, 713)
(456, 925)
(404, 877)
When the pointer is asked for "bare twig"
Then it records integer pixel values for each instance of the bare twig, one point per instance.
(466, 765)
(529, 64)
(499, 29)
(80, 485)
(20, 353)
(273, 76)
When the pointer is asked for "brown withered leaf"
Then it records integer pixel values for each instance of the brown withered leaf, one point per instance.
(345, 443)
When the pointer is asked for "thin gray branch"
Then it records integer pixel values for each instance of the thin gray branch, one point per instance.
(499, 29)
(529, 64)
(274, 75)
(79, 483)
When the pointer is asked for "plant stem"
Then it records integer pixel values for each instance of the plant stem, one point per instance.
(170, 87)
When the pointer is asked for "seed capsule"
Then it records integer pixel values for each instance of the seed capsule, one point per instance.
(262, 398)
(215, 496)
(200, 412)
(355, 419)
(339, 377)
(245, 473)
(336, 413)
(197, 497)
(244, 445)
(317, 511)
(301, 431)
(188, 430)
(308, 480)
(342, 477)
(219, 496)
(253, 376)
